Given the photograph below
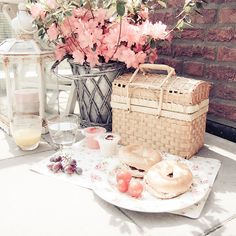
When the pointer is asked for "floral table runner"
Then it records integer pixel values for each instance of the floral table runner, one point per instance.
(88, 160)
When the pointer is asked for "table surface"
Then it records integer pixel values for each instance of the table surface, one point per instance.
(37, 205)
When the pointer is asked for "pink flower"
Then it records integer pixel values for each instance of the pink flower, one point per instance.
(70, 45)
(104, 51)
(152, 57)
(128, 56)
(141, 57)
(65, 27)
(143, 40)
(78, 56)
(144, 13)
(89, 38)
(159, 31)
(52, 32)
(79, 12)
(156, 31)
(130, 33)
(52, 4)
(36, 10)
(60, 52)
(85, 39)
(100, 15)
(97, 36)
(92, 58)
(43, 15)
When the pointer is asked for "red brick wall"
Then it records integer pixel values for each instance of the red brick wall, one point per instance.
(206, 51)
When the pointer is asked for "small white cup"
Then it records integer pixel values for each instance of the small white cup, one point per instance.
(108, 143)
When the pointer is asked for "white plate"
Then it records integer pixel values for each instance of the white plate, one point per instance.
(104, 185)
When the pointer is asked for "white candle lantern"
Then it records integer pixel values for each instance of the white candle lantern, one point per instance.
(25, 66)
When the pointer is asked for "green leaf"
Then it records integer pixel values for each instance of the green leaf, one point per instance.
(152, 44)
(180, 24)
(41, 32)
(68, 13)
(199, 5)
(120, 8)
(162, 3)
(187, 9)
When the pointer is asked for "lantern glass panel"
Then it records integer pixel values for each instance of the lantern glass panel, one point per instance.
(58, 90)
(3, 94)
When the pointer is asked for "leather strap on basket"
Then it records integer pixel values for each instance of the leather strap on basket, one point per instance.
(143, 67)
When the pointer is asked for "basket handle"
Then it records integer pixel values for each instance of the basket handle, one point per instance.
(143, 67)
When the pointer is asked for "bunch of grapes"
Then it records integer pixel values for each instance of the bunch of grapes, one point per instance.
(64, 164)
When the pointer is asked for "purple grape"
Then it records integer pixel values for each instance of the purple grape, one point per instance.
(50, 166)
(69, 169)
(78, 171)
(73, 162)
(57, 167)
(56, 159)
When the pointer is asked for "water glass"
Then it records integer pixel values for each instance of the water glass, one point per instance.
(26, 131)
(63, 130)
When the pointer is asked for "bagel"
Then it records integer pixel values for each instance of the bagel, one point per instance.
(138, 159)
(168, 179)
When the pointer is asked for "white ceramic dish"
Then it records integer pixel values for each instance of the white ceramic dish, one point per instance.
(104, 185)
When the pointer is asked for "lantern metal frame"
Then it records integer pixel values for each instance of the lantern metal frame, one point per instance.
(18, 51)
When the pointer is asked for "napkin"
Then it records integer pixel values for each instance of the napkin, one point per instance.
(210, 167)
(89, 159)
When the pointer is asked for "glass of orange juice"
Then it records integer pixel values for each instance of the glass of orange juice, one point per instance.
(26, 131)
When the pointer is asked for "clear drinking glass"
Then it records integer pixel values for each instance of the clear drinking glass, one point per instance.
(26, 131)
(63, 130)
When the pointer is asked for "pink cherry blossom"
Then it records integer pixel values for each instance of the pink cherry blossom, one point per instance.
(52, 4)
(78, 56)
(60, 52)
(71, 45)
(128, 56)
(79, 12)
(65, 28)
(159, 31)
(36, 10)
(100, 15)
(90, 37)
(92, 58)
(85, 39)
(43, 15)
(53, 32)
(156, 31)
(152, 57)
(130, 33)
(141, 57)
(144, 13)
(143, 39)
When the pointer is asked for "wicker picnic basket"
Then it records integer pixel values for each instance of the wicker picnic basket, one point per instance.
(165, 112)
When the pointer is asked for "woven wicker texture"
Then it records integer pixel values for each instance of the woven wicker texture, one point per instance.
(94, 88)
(168, 135)
(180, 126)
(178, 90)
(94, 112)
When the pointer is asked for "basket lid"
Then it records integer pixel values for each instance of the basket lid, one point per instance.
(177, 89)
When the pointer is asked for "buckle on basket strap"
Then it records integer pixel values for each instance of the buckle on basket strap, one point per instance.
(142, 67)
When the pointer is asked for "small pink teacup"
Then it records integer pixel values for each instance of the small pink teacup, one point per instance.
(90, 134)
